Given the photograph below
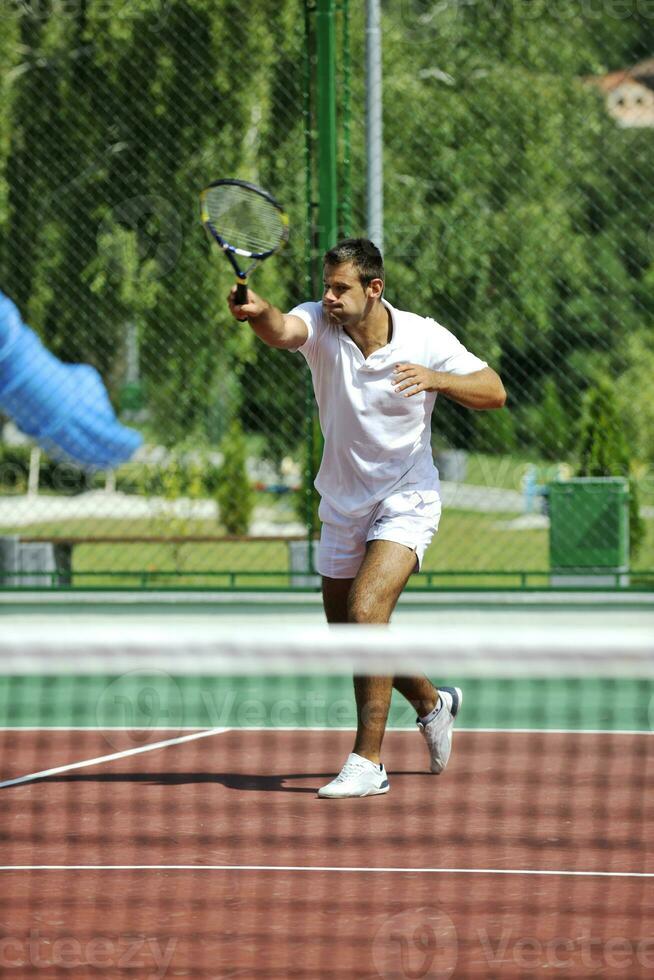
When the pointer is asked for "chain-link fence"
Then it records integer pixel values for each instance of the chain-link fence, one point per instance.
(518, 153)
(518, 166)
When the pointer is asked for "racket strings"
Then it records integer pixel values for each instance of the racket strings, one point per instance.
(244, 219)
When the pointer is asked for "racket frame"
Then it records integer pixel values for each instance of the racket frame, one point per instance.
(230, 250)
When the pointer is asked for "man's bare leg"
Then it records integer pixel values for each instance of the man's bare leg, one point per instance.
(383, 574)
(373, 601)
(335, 592)
(419, 692)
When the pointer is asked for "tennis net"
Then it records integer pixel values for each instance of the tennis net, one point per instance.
(159, 811)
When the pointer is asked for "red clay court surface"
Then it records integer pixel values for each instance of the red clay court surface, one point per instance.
(282, 884)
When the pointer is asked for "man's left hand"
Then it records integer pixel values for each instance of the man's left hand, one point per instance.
(409, 379)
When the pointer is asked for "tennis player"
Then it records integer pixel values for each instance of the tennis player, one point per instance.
(376, 374)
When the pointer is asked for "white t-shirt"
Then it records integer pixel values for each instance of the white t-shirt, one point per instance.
(376, 441)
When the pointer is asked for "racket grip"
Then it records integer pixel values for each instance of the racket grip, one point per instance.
(241, 293)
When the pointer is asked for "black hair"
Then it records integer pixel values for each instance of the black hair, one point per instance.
(362, 253)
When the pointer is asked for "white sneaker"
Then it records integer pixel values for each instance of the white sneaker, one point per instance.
(358, 777)
(438, 731)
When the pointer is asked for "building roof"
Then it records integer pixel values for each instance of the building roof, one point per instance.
(641, 74)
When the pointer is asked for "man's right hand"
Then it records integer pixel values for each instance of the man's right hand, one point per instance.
(254, 307)
(269, 323)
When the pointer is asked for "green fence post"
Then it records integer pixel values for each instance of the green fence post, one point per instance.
(309, 406)
(346, 116)
(327, 205)
(326, 117)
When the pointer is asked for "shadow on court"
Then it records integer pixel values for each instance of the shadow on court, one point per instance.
(238, 781)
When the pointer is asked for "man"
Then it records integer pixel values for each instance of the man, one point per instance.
(376, 373)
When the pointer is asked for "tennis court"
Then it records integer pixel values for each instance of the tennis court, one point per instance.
(182, 835)
(460, 189)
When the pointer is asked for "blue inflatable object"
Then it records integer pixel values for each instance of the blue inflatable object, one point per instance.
(64, 407)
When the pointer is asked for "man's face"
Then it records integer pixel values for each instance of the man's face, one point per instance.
(344, 299)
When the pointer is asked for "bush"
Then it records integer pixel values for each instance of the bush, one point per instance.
(58, 477)
(632, 388)
(234, 494)
(604, 451)
(495, 433)
(308, 491)
(547, 426)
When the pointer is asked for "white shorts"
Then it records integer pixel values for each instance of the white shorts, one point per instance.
(409, 517)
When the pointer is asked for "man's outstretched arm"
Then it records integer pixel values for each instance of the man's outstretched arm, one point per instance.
(481, 389)
(275, 328)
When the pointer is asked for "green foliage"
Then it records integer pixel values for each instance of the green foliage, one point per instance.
(9, 74)
(61, 478)
(234, 493)
(495, 432)
(514, 206)
(604, 450)
(633, 391)
(186, 472)
(99, 221)
(517, 212)
(307, 502)
(14, 467)
(547, 423)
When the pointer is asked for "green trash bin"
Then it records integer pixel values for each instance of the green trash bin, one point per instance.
(589, 531)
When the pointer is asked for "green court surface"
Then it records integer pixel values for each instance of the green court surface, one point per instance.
(150, 698)
(159, 701)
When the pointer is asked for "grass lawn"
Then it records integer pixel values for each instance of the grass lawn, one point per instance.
(506, 472)
(467, 541)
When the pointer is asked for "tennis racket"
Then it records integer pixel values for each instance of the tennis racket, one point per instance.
(246, 222)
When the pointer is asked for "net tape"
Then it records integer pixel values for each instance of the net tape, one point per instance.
(205, 647)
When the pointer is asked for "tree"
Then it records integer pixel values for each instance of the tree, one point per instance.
(632, 384)
(548, 424)
(516, 210)
(495, 432)
(99, 217)
(234, 493)
(604, 451)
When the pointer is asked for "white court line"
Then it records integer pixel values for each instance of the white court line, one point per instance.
(111, 728)
(461, 731)
(45, 773)
(322, 728)
(353, 870)
(109, 758)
